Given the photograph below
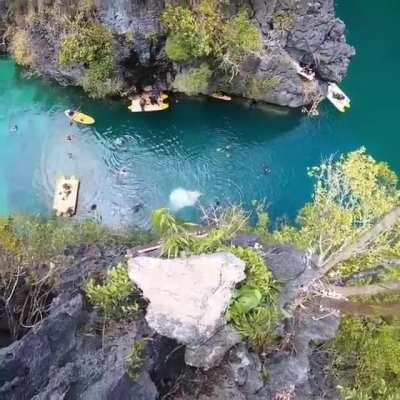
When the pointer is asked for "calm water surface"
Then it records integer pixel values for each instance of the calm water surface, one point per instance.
(130, 159)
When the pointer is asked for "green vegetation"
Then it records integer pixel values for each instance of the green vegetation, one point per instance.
(134, 361)
(114, 299)
(352, 226)
(194, 81)
(178, 237)
(350, 195)
(254, 310)
(32, 259)
(203, 33)
(90, 45)
(367, 358)
(257, 87)
(20, 49)
(283, 20)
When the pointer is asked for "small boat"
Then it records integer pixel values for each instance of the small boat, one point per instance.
(221, 96)
(304, 72)
(66, 196)
(337, 97)
(159, 106)
(79, 117)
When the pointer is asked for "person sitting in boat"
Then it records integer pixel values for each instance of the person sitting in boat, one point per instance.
(153, 100)
(338, 96)
(67, 189)
(142, 103)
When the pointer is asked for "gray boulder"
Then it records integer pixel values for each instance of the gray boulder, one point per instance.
(211, 353)
(188, 296)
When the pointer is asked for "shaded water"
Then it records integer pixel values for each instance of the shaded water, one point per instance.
(130, 163)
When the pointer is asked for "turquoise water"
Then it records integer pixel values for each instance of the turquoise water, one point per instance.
(128, 159)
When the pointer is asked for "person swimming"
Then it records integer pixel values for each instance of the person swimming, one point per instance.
(14, 128)
(267, 170)
(138, 207)
(68, 138)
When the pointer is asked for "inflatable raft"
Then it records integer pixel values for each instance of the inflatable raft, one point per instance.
(160, 105)
(66, 196)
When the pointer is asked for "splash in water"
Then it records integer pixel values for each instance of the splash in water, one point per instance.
(181, 198)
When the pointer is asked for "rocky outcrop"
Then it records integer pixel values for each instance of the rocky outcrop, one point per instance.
(65, 355)
(57, 360)
(188, 298)
(305, 31)
(209, 354)
(287, 371)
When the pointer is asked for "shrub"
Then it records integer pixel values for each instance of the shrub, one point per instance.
(31, 259)
(241, 38)
(194, 81)
(176, 236)
(114, 298)
(203, 33)
(90, 45)
(134, 361)
(177, 49)
(20, 48)
(367, 358)
(254, 310)
(283, 20)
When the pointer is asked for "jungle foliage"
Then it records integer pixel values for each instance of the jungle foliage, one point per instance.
(204, 33)
(90, 45)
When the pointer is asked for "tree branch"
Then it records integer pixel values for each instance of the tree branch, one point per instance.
(384, 225)
(366, 290)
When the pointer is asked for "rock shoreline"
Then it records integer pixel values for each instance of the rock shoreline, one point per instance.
(313, 35)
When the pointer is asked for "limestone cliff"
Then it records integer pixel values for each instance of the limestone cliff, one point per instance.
(304, 31)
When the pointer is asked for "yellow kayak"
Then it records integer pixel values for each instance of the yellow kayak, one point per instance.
(79, 117)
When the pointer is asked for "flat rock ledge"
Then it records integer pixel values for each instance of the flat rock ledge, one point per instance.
(188, 298)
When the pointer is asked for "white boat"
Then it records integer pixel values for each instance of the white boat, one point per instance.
(221, 96)
(338, 98)
(307, 74)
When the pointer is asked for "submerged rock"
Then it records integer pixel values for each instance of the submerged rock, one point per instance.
(188, 296)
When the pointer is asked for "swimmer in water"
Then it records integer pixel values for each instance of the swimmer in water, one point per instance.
(267, 170)
(14, 129)
(137, 208)
(93, 207)
(70, 155)
(68, 138)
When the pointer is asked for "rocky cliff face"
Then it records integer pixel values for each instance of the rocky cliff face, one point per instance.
(305, 31)
(65, 356)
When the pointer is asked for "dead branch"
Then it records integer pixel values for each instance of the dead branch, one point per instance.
(384, 225)
(366, 290)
